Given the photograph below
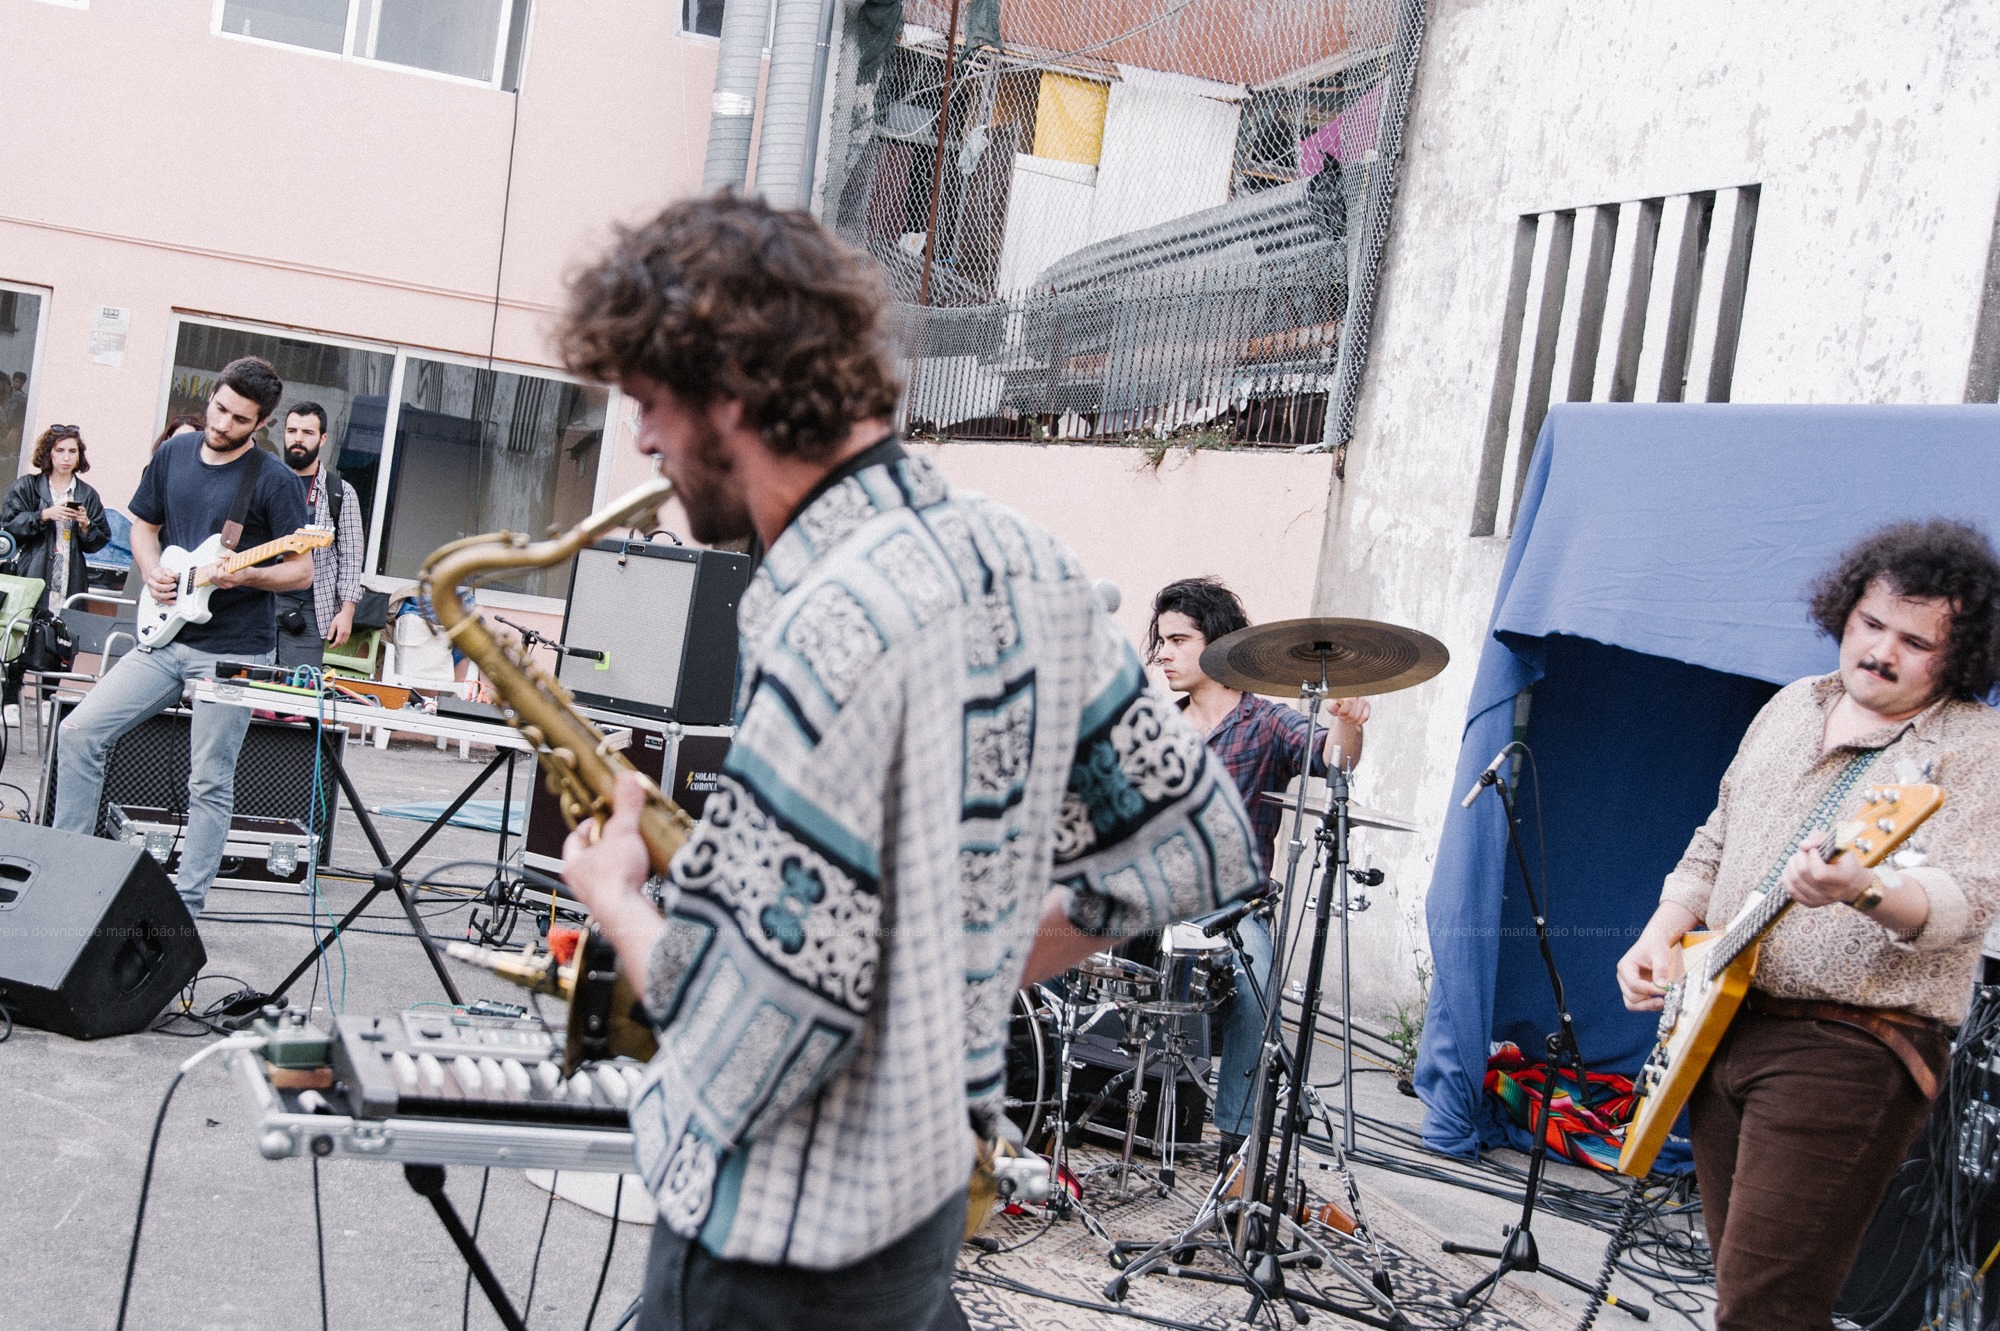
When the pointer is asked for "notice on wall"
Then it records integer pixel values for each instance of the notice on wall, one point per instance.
(109, 327)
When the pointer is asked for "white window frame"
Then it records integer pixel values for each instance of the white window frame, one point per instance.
(615, 414)
(28, 418)
(347, 52)
(392, 420)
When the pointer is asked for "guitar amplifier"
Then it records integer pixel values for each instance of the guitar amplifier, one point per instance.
(665, 618)
(148, 768)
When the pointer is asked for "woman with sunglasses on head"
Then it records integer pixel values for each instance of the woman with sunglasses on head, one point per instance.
(55, 518)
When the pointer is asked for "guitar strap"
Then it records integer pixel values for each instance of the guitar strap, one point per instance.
(239, 508)
(1829, 804)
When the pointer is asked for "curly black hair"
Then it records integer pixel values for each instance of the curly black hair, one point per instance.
(729, 298)
(1938, 559)
(1215, 609)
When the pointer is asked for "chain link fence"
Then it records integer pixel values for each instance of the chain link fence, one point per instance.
(1131, 219)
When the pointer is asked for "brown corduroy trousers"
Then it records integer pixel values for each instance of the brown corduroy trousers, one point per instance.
(1798, 1128)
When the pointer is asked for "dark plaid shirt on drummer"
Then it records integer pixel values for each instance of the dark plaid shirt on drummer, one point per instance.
(1261, 743)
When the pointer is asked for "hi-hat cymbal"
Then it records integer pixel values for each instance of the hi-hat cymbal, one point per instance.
(1358, 815)
(1360, 656)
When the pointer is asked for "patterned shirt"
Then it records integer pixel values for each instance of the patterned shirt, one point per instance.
(336, 568)
(935, 723)
(1834, 952)
(1261, 742)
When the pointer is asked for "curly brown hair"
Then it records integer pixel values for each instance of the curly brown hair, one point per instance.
(1939, 559)
(729, 298)
(46, 445)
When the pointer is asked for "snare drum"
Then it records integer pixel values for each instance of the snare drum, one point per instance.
(1196, 972)
(1106, 978)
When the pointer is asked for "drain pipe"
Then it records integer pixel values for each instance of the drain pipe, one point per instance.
(733, 110)
(793, 96)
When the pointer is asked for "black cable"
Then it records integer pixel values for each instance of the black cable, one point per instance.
(611, 1244)
(1627, 1222)
(535, 1267)
(145, 1189)
(319, 1245)
(478, 1213)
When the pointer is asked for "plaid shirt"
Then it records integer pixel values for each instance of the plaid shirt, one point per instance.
(935, 722)
(336, 568)
(1260, 743)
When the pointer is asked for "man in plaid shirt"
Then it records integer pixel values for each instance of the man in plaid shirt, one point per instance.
(1262, 744)
(308, 620)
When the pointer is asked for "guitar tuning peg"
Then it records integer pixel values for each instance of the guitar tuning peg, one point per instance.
(1884, 825)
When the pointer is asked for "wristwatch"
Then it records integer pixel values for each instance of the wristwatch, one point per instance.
(1871, 895)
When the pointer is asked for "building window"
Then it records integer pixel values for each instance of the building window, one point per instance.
(476, 40)
(23, 315)
(1623, 302)
(468, 449)
(702, 16)
(480, 450)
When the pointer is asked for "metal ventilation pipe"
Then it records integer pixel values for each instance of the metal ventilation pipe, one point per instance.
(733, 109)
(792, 100)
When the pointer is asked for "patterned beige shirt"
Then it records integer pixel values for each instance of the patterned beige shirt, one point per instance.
(1835, 952)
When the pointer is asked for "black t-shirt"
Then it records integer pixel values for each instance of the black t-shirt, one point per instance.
(189, 500)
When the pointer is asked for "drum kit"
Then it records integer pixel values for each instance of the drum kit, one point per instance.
(1250, 1217)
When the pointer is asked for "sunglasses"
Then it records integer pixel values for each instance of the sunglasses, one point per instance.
(65, 432)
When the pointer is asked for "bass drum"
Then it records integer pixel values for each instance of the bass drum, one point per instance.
(1032, 1083)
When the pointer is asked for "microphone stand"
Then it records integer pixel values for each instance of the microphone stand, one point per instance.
(1559, 1052)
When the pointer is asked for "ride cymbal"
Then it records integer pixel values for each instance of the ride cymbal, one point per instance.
(1359, 656)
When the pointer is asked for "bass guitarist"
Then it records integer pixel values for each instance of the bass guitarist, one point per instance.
(189, 492)
(1825, 1077)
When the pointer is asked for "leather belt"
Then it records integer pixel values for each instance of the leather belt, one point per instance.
(1905, 1033)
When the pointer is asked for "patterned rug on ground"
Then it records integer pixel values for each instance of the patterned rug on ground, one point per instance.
(1051, 1275)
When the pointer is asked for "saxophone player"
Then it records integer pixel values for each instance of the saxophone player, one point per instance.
(935, 722)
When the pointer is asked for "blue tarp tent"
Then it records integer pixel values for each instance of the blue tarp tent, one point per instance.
(1654, 597)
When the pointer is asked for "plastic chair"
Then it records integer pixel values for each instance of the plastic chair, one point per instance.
(96, 635)
(359, 656)
(17, 607)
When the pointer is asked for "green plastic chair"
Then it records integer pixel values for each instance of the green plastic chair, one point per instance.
(18, 599)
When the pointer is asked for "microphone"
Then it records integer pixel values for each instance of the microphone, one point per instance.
(1486, 778)
(1106, 592)
(1235, 915)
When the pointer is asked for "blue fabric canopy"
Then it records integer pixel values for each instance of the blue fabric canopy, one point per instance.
(1654, 594)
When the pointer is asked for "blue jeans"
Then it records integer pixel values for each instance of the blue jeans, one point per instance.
(1240, 1028)
(142, 684)
(906, 1286)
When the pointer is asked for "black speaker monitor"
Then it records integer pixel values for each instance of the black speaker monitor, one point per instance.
(665, 618)
(94, 940)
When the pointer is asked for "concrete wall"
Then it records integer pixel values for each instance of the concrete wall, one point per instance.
(1875, 135)
(158, 167)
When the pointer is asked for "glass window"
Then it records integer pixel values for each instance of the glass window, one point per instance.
(20, 330)
(481, 450)
(702, 16)
(478, 40)
(352, 383)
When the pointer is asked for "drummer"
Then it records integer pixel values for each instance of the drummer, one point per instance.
(1262, 744)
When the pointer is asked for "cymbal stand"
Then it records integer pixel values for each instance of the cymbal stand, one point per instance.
(1070, 1024)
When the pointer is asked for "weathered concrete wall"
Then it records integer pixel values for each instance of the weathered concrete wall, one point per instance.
(1875, 135)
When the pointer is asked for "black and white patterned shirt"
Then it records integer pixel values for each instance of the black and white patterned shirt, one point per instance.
(935, 723)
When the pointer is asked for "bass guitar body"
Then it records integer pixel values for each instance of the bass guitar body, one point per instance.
(1692, 1024)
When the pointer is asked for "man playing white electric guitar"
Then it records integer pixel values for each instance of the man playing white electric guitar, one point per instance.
(195, 487)
(1824, 1079)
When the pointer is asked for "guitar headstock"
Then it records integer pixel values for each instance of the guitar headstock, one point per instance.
(1884, 821)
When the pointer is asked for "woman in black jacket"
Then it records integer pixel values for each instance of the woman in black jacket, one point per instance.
(55, 518)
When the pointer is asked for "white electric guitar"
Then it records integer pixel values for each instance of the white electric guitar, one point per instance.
(158, 622)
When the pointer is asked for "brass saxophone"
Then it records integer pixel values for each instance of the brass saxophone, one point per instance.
(582, 766)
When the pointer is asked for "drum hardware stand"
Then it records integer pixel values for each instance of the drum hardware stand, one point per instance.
(1560, 1052)
(1062, 1201)
(1173, 1059)
(1259, 1251)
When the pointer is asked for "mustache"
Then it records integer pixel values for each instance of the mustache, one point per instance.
(1877, 669)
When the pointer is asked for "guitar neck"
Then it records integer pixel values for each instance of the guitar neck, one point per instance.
(1747, 930)
(243, 559)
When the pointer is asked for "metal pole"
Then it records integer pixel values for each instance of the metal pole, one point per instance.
(937, 161)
